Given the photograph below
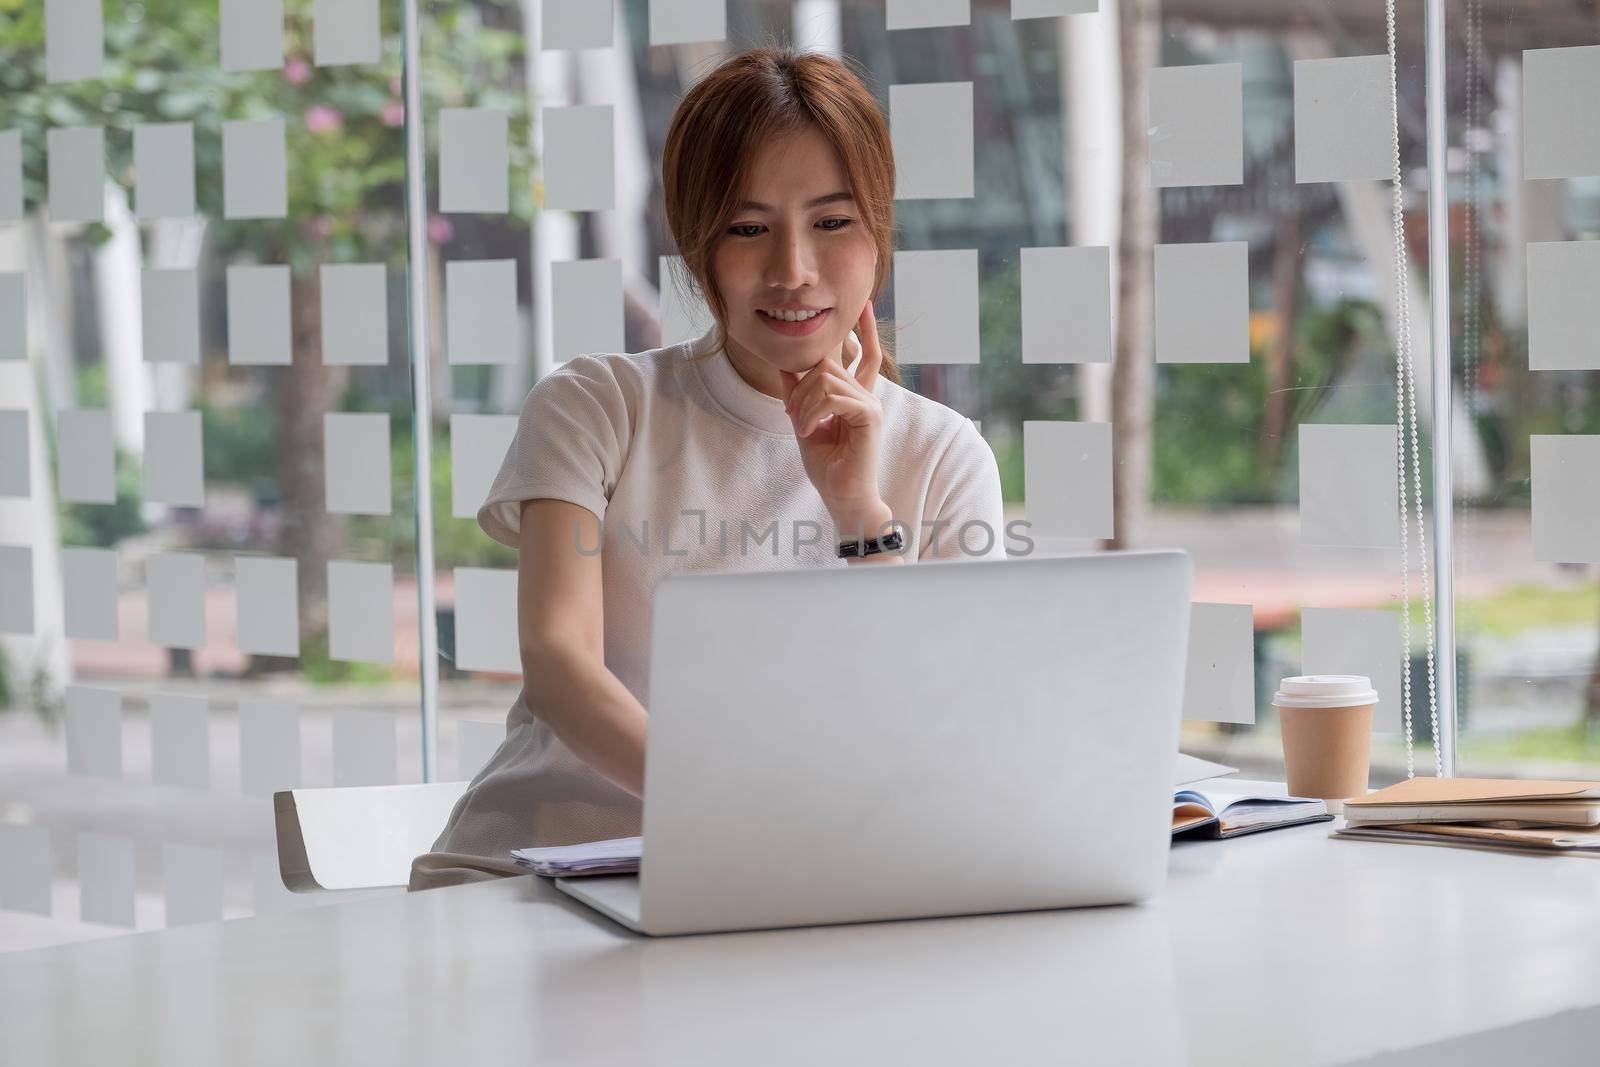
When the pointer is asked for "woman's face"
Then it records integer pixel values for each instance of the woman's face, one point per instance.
(797, 241)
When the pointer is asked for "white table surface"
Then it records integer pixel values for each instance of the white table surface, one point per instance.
(1282, 948)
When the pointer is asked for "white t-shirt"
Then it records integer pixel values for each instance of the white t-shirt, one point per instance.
(689, 468)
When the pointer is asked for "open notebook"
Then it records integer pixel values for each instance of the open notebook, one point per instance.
(1223, 809)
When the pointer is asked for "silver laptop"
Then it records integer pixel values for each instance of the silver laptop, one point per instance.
(890, 742)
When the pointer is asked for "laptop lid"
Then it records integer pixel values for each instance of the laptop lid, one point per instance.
(891, 741)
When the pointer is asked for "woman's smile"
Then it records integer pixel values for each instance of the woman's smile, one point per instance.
(802, 328)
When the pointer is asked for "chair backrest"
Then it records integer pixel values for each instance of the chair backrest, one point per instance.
(358, 837)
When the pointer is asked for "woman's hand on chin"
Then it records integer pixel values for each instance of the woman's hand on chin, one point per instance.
(838, 424)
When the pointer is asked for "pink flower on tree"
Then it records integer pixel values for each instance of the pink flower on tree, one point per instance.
(394, 113)
(439, 229)
(297, 71)
(320, 118)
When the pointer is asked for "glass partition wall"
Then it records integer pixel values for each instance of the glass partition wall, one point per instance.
(1147, 247)
(1524, 189)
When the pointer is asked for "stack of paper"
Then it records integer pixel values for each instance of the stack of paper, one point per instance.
(617, 855)
(1516, 814)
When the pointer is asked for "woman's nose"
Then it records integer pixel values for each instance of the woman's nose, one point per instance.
(790, 267)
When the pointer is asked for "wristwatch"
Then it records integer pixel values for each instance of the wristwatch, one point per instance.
(889, 542)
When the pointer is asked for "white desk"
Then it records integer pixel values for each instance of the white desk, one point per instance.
(1288, 949)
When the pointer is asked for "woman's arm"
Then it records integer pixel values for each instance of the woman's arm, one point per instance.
(561, 628)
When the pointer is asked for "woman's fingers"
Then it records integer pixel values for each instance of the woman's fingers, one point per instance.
(871, 351)
(830, 377)
(790, 382)
(857, 411)
(818, 379)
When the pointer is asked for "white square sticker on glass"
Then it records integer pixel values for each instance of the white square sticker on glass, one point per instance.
(86, 457)
(688, 21)
(269, 746)
(475, 743)
(267, 595)
(1560, 138)
(684, 314)
(252, 35)
(568, 24)
(258, 316)
(175, 583)
(345, 31)
(170, 315)
(930, 127)
(1362, 641)
(163, 167)
(580, 158)
(1066, 305)
(916, 14)
(191, 876)
(474, 159)
(1563, 314)
(255, 183)
(1348, 491)
(1343, 127)
(1220, 679)
(94, 731)
(360, 611)
(89, 593)
(1067, 478)
(77, 172)
(478, 446)
(1202, 303)
(355, 314)
(1566, 497)
(936, 306)
(481, 320)
(16, 589)
(1044, 9)
(15, 454)
(10, 177)
(13, 315)
(586, 302)
(486, 620)
(356, 457)
(174, 459)
(364, 749)
(1196, 130)
(180, 741)
(25, 873)
(74, 40)
(106, 879)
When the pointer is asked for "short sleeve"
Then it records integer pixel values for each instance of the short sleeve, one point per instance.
(572, 436)
(964, 501)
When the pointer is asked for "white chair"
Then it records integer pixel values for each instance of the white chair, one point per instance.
(358, 837)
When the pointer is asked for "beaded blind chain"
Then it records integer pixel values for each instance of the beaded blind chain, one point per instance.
(1406, 421)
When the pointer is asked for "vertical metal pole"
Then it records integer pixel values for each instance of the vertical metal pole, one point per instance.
(1439, 350)
(421, 394)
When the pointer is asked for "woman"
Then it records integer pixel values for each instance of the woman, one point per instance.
(762, 443)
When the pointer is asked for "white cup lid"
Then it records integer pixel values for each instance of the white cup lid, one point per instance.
(1325, 691)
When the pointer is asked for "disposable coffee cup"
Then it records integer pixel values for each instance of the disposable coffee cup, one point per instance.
(1327, 735)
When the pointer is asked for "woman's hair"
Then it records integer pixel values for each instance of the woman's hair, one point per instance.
(729, 115)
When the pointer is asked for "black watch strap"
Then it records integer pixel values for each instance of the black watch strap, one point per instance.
(871, 546)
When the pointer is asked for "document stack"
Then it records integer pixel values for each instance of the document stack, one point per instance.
(618, 855)
(1517, 815)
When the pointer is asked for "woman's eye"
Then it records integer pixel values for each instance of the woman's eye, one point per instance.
(842, 223)
(746, 226)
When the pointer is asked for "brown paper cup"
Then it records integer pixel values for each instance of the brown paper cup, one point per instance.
(1327, 751)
